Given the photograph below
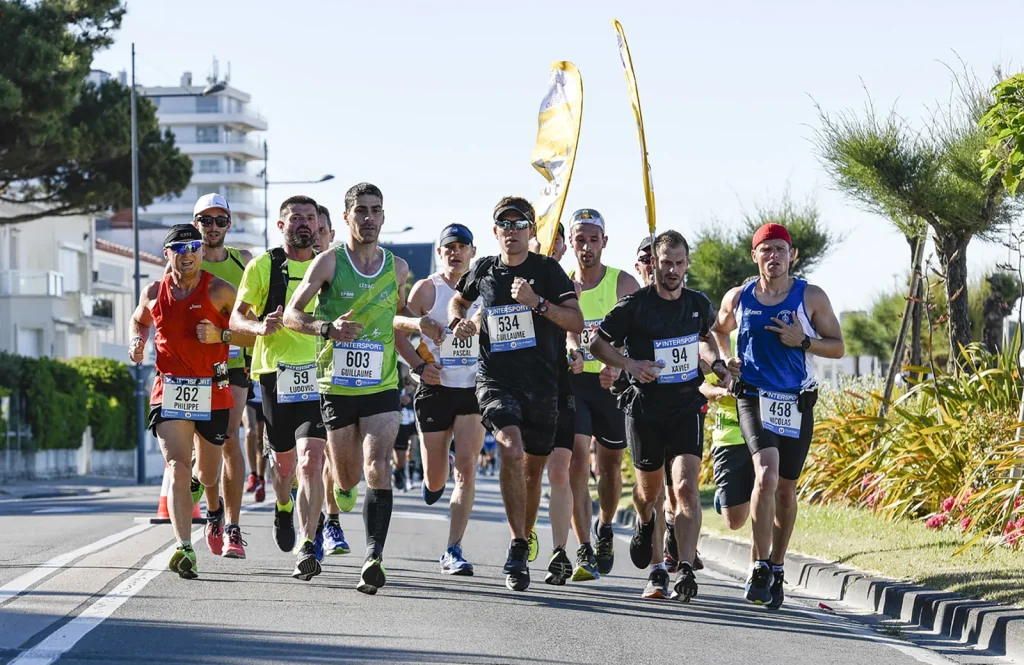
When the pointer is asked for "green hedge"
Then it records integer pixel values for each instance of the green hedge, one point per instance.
(111, 404)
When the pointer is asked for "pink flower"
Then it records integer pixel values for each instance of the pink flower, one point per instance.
(937, 521)
(868, 479)
(965, 523)
(948, 504)
(1018, 501)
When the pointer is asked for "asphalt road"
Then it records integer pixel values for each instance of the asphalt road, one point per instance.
(80, 582)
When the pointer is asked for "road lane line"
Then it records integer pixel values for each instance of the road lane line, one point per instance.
(64, 509)
(19, 585)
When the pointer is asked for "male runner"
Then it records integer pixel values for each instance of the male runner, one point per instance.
(665, 330)
(406, 431)
(529, 304)
(597, 412)
(359, 287)
(212, 216)
(445, 403)
(782, 322)
(283, 363)
(191, 398)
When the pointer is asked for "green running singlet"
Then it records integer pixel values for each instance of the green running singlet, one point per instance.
(230, 270)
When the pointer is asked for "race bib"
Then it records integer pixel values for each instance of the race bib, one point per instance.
(588, 336)
(187, 399)
(458, 352)
(234, 352)
(296, 383)
(679, 356)
(358, 364)
(510, 327)
(779, 413)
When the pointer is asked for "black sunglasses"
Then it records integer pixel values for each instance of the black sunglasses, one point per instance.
(208, 220)
(644, 259)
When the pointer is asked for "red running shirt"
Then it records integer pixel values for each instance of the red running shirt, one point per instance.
(179, 352)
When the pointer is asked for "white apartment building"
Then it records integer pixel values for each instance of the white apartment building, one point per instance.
(218, 133)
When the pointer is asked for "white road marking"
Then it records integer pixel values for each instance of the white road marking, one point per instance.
(64, 509)
(18, 585)
(434, 517)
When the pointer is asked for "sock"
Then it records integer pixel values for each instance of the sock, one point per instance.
(776, 567)
(334, 518)
(604, 530)
(656, 566)
(430, 496)
(185, 544)
(376, 520)
(286, 507)
(763, 562)
(229, 527)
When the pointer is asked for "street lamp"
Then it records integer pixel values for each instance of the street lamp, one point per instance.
(266, 204)
(140, 384)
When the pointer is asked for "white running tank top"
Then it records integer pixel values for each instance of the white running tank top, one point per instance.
(451, 377)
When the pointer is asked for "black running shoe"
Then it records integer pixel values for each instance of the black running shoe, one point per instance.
(306, 565)
(373, 576)
(685, 587)
(641, 546)
(517, 570)
(604, 538)
(758, 589)
(778, 593)
(284, 529)
(559, 567)
(671, 547)
(657, 584)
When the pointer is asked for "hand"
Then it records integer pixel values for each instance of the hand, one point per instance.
(723, 374)
(208, 333)
(432, 329)
(644, 371)
(523, 293)
(734, 365)
(272, 322)
(575, 361)
(608, 376)
(790, 334)
(344, 329)
(431, 374)
(136, 349)
(465, 329)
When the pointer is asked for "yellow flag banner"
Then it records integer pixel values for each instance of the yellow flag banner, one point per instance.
(558, 135)
(634, 98)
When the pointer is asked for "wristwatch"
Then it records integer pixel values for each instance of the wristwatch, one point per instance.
(325, 329)
(542, 306)
(418, 369)
(225, 336)
(806, 344)
(454, 322)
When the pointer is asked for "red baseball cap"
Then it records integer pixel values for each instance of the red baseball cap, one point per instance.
(771, 231)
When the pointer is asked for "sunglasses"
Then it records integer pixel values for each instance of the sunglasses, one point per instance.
(644, 259)
(507, 224)
(181, 247)
(208, 220)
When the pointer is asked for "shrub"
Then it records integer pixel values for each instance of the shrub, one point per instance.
(111, 403)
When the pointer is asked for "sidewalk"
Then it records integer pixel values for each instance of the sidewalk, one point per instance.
(77, 486)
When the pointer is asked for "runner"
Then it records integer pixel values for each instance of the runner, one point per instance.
(597, 412)
(212, 216)
(406, 431)
(254, 421)
(283, 363)
(445, 401)
(529, 304)
(782, 322)
(359, 287)
(185, 307)
(665, 330)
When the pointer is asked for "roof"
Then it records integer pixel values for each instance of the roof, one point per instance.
(121, 250)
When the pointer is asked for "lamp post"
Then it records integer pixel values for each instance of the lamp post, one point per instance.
(266, 198)
(140, 384)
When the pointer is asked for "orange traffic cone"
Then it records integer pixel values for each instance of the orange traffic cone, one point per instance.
(162, 514)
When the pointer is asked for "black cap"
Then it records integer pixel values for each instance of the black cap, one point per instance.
(561, 231)
(645, 245)
(519, 205)
(455, 233)
(182, 233)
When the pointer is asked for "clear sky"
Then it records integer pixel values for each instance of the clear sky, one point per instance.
(437, 102)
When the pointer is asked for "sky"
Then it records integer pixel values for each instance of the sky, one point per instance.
(436, 103)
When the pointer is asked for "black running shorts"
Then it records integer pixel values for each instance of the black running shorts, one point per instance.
(597, 412)
(239, 376)
(341, 411)
(438, 406)
(534, 413)
(405, 433)
(734, 474)
(656, 441)
(214, 430)
(792, 451)
(286, 422)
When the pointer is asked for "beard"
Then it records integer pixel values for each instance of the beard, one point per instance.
(299, 240)
(663, 283)
(214, 244)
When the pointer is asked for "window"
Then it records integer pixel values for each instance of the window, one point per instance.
(207, 105)
(209, 166)
(30, 342)
(207, 134)
(71, 266)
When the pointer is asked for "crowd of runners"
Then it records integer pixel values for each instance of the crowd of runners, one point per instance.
(518, 367)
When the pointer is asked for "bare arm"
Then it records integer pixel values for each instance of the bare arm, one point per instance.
(141, 322)
(295, 315)
(246, 256)
(644, 370)
(725, 323)
(414, 319)
(566, 316)
(626, 285)
(223, 295)
(830, 342)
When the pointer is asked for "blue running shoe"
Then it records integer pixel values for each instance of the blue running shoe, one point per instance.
(718, 501)
(334, 539)
(758, 588)
(318, 539)
(453, 563)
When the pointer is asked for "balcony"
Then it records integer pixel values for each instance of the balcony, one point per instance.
(98, 312)
(31, 283)
(234, 178)
(246, 121)
(238, 149)
(240, 208)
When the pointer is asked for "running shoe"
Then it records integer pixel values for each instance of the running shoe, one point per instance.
(685, 587)
(718, 501)
(657, 584)
(183, 562)
(430, 497)
(777, 591)
(251, 482)
(196, 488)
(671, 547)
(698, 564)
(284, 529)
(559, 568)
(334, 539)
(346, 500)
(534, 546)
(318, 539)
(306, 565)
(758, 588)
(453, 563)
(604, 538)
(235, 546)
(215, 535)
(259, 495)
(517, 571)
(641, 547)
(586, 565)
(372, 577)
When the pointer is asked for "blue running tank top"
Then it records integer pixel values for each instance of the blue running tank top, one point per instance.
(767, 363)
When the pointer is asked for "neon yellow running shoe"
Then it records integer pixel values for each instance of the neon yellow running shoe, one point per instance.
(534, 545)
(183, 562)
(372, 577)
(196, 488)
(346, 500)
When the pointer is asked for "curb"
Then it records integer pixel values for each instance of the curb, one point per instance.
(983, 624)
(58, 493)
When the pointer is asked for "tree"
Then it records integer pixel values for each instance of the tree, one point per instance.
(721, 258)
(930, 177)
(65, 143)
